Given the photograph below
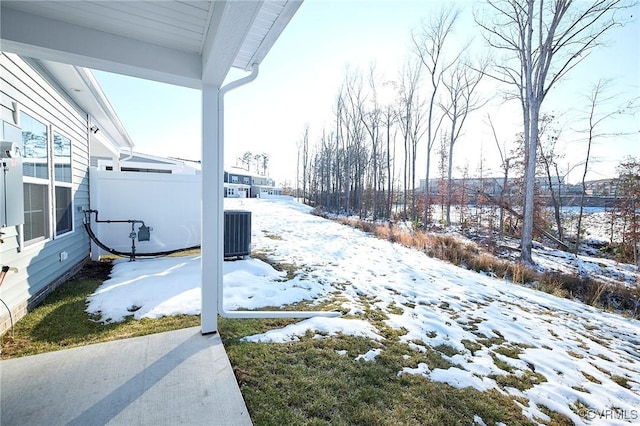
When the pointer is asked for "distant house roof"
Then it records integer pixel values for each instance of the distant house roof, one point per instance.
(245, 172)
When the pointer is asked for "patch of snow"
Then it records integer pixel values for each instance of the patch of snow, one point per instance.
(461, 379)
(477, 420)
(329, 326)
(369, 356)
(579, 350)
(422, 369)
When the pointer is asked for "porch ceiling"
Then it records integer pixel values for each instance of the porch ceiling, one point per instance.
(188, 43)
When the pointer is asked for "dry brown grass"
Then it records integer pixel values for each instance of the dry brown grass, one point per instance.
(467, 254)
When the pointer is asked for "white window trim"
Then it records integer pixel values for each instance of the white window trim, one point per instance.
(51, 183)
(40, 181)
(61, 184)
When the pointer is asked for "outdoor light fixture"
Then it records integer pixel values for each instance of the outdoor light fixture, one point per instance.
(16, 113)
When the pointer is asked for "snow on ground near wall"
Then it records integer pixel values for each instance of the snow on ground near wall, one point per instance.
(583, 354)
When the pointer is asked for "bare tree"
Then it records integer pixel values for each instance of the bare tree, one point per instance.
(356, 152)
(548, 137)
(542, 42)
(629, 187)
(304, 160)
(372, 120)
(389, 116)
(429, 45)
(443, 183)
(409, 120)
(338, 149)
(597, 98)
(461, 84)
(507, 158)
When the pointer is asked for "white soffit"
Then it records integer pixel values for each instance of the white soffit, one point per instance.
(171, 24)
(158, 40)
(271, 20)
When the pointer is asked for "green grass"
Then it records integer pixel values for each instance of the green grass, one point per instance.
(61, 321)
(302, 383)
(290, 269)
(309, 383)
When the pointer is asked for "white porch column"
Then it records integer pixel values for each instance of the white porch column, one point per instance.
(212, 209)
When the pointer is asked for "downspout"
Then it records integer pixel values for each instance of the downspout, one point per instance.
(130, 156)
(127, 158)
(248, 314)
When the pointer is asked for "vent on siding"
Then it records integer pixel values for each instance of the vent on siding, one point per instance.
(237, 233)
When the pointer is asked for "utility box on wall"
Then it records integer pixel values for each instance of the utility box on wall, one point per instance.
(12, 198)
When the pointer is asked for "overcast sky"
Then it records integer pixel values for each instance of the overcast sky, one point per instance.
(300, 78)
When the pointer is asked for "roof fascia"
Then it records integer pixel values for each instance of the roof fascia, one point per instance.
(104, 104)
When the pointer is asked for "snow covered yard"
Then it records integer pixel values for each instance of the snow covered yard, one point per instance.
(541, 350)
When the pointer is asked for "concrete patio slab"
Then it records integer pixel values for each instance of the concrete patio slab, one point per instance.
(173, 378)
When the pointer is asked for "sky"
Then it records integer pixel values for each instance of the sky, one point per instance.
(429, 303)
(300, 78)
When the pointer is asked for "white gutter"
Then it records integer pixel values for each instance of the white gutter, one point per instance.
(104, 104)
(248, 314)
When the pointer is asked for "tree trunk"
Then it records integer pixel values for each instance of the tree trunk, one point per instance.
(526, 243)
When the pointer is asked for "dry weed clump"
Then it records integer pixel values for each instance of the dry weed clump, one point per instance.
(555, 284)
(489, 264)
(383, 232)
(521, 274)
(404, 238)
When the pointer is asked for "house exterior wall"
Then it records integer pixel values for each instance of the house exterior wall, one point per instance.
(46, 261)
(237, 178)
(233, 190)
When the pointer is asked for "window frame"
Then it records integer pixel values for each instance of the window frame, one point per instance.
(51, 183)
(33, 180)
(61, 184)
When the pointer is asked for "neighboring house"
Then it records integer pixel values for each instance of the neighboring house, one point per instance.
(55, 115)
(492, 185)
(237, 183)
(602, 187)
(240, 183)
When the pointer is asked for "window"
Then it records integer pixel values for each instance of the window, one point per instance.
(36, 178)
(62, 178)
(62, 158)
(48, 200)
(36, 212)
(64, 222)
(234, 179)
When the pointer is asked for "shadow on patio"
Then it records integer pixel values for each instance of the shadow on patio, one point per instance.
(177, 377)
